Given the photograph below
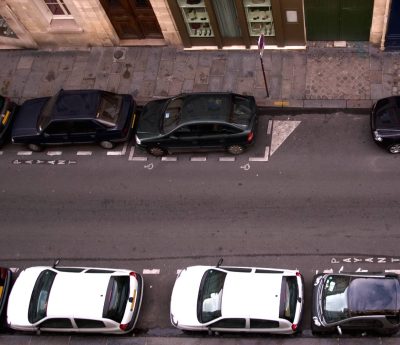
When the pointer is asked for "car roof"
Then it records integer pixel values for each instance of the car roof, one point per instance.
(76, 104)
(253, 295)
(373, 295)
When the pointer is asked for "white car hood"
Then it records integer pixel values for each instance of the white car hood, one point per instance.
(18, 302)
(185, 294)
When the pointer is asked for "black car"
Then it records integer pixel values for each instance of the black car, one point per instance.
(7, 113)
(385, 123)
(75, 116)
(356, 303)
(5, 287)
(198, 121)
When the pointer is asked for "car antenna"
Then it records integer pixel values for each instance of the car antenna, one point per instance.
(56, 262)
(220, 261)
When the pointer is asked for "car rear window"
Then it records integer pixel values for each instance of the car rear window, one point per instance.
(242, 111)
(109, 109)
(40, 296)
(116, 298)
(210, 295)
(289, 294)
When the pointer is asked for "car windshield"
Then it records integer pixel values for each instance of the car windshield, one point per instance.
(109, 109)
(335, 298)
(116, 298)
(242, 111)
(172, 115)
(210, 295)
(387, 118)
(40, 296)
(45, 115)
(289, 294)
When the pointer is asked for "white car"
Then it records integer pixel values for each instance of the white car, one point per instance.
(237, 299)
(75, 299)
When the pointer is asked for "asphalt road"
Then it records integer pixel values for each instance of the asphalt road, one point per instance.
(326, 199)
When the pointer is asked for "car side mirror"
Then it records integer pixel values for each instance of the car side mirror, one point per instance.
(56, 262)
(220, 261)
(339, 329)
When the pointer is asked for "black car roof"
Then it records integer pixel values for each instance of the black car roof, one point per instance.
(76, 104)
(374, 295)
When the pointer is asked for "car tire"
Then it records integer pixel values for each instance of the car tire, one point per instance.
(35, 147)
(235, 149)
(108, 145)
(394, 148)
(156, 151)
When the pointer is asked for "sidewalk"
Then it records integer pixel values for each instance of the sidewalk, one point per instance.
(319, 77)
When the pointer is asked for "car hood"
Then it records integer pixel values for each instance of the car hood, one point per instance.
(26, 119)
(185, 294)
(149, 120)
(20, 296)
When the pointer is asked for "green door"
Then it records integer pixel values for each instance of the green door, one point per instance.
(338, 20)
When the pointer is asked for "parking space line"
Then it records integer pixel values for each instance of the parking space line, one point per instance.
(198, 159)
(84, 153)
(24, 153)
(169, 159)
(261, 159)
(118, 153)
(54, 153)
(151, 271)
(269, 129)
(227, 159)
(137, 159)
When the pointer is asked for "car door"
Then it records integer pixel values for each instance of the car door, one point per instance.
(90, 326)
(83, 131)
(229, 325)
(56, 132)
(57, 325)
(184, 138)
(361, 324)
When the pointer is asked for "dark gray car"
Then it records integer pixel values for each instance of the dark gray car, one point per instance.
(356, 303)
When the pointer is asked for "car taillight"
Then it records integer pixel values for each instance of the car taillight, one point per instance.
(298, 274)
(250, 136)
(294, 327)
(133, 274)
(123, 326)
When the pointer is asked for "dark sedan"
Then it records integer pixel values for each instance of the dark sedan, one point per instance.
(75, 116)
(198, 121)
(385, 123)
(5, 287)
(7, 113)
(356, 303)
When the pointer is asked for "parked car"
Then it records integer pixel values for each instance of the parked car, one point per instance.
(237, 299)
(385, 123)
(75, 299)
(198, 121)
(7, 114)
(356, 302)
(5, 287)
(75, 116)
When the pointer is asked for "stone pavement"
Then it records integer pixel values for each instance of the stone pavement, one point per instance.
(320, 76)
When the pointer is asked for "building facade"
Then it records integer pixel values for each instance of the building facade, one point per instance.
(218, 24)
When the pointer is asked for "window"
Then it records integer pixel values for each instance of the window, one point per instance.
(56, 323)
(69, 269)
(87, 323)
(289, 294)
(57, 127)
(83, 126)
(259, 323)
(109, 109)
(230, 323)
(116, 298)
(58, 8)
(335, 298)
(95, 270)
(362, 324)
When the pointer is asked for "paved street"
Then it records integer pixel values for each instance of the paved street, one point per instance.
(320, 197)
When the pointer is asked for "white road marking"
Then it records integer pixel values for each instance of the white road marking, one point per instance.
(361, 270)
(14, 269)
(24, 153)
(54, 153)
(151, 271)
(328, 271)
(84, 153)
(281, 131)
(393, 271)
(198, 159)
(261, 159)
(118, 153)
(149, 166)
(227, 159)
(169, 159)
(178, 272)
(245, 167)
(269, 129)
(137, 159)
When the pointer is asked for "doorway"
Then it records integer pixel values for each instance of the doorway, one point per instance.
(132, 19)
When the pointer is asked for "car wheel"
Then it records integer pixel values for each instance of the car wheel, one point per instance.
(108, 145)
(395, 148)
(156, 151)
(235, 149)
(35, 147)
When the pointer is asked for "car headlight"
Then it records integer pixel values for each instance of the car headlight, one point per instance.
(173, 320)
(377, 137)
(138, 141)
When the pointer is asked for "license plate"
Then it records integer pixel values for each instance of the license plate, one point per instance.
(5, 117)
(1, 291)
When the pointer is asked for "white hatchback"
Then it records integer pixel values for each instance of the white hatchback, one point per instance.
(237, 299)
(75, 299)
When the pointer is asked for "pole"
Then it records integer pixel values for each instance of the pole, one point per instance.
(261, 50)
(265, 79)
